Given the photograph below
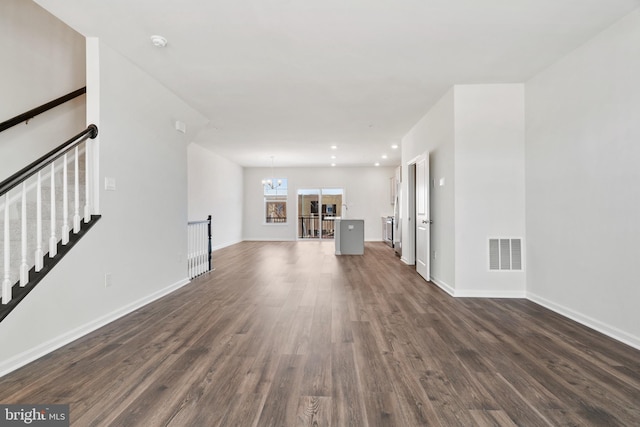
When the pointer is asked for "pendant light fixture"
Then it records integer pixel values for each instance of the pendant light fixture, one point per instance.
(271, 182)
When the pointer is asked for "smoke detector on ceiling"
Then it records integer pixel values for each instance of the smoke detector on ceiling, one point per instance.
(158, 41)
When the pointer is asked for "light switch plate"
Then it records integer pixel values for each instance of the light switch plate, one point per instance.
(109, 183)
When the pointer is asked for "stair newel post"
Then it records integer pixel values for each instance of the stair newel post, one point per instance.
(53, 241)
(209, 238)
(76, 196)
(6, 283)
(39, 255)
(24, 267)
(65, 202)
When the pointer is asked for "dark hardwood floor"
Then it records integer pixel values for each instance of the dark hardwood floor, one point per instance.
(287, 334)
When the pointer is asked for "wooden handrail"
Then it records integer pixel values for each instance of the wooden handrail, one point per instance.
(14, 180)
(41, 109)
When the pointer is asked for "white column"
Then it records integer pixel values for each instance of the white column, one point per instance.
(39, 255)
(6, 283)
(53, 241)
(24, 267)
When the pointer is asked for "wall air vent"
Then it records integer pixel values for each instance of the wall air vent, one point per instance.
(505, 254)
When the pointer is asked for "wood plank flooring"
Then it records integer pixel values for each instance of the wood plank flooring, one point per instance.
(287, 334)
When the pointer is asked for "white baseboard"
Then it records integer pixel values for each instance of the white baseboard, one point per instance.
(276, 239)
(37, 352)
(444, 286)
(488, 293)
(224, 245)
(406, 261)
(590, 322)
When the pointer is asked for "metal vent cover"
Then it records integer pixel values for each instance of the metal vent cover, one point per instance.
(505, 254)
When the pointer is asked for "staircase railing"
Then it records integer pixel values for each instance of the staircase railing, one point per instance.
(199, 247)
(41, 109)
(34, 203)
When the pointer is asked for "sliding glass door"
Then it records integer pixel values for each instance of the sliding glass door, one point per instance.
(317, 210)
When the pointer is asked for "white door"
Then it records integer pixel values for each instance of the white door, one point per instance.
(423, 222)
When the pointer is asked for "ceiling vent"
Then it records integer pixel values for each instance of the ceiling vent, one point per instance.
(505, 254)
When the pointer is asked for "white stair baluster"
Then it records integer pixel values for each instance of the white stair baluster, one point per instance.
(53, 241)
(65, 202)
(76, 208)
(194, 250)
(191, 271)
(199, 243)
(199, 249)
(6, 283)
(39, 255)
(24, 267)
(205, 264)
(87, 183)
(203, 236)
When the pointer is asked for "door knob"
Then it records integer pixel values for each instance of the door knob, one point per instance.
(427, 221)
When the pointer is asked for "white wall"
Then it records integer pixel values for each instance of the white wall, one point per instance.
(51, 65)
(141, 239)
(475, 139)
(215, 188)
(366, 192)
(434, 133)
(583, 181)
(489, 185)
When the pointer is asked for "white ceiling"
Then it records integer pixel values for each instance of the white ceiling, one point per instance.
(290, 78)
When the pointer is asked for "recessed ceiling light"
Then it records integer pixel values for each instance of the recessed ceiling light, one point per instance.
(158, 41)
(333, 157)
(394, 146)
(334, 147)
(333, 164)
(376, 164)
(384, 156)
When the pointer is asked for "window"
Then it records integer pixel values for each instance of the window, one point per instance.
(275, 200)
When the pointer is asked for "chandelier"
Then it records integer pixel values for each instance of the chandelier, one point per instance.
(272, 183)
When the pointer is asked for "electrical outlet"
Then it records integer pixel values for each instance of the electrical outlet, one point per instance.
(435, 254)
(108, 280)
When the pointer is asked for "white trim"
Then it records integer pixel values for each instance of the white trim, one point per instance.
(45, 348)
(610, 331)
(488, 293)
(406, 261)
(271, 239)
(443, 285)
(225, 244)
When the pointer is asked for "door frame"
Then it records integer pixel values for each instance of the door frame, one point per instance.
(320, 189)
(409, 237)
(413, 213)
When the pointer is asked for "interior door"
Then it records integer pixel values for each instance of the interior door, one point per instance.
(423, 221)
